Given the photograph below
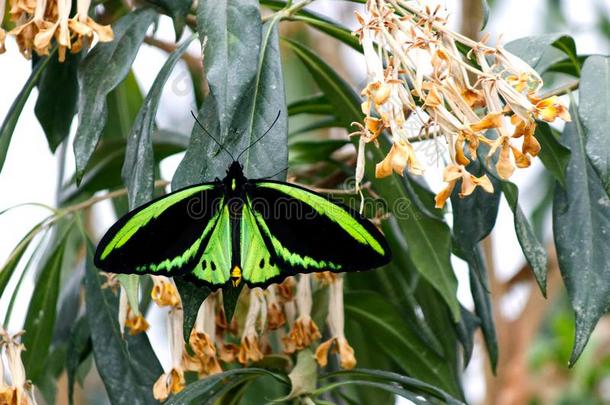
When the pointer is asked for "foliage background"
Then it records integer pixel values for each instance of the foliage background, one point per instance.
(31, 174)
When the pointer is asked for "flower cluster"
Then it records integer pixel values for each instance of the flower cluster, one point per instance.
(38, 22)
(278, 319)
(421, 83)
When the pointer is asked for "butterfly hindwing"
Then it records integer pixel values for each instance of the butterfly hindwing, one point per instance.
(307, 232)
(258, 264)
(214, 266)
(164, 236)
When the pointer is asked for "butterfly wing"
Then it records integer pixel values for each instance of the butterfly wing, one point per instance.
(306, 232)
(165, 236)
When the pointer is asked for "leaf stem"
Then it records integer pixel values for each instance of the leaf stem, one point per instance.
(562, 90)
(289, 11)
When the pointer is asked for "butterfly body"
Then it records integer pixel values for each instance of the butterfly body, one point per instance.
(238, 230)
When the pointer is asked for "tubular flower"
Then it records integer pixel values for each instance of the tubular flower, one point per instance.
(419, 83)
(250, 349)
(202, 340)
(338, 343)
(164, 292)
(275, 311)
(304, 331)
(38, 22)
(135, 323)
(20, 390)
(173, 381)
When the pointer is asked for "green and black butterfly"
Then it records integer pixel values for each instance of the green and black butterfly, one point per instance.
(236, 229)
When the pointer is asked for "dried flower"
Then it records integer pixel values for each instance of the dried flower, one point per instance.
(417, 77)
(452, 174)
(304, 331)
(20, 391)
(135, 323)
(249, 349)
(275, 311)
(164, 292)
(172, 381)
(338, 343)
(203, 340)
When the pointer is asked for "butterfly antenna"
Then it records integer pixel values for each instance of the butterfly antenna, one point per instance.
(210, 135)
(277, 117)
(273, 175)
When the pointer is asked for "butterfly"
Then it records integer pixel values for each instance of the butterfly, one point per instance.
(237, 230)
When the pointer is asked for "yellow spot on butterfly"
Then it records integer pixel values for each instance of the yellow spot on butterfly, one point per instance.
(233, 185)
(236, 276)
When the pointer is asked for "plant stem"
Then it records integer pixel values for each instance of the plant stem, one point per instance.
(288, 11)
(562, 90)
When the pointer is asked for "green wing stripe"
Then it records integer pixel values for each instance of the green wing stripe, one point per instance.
(214, 266)
(294, 259)
(332, 211)
(256, 260)
(146, 215)
(178, 261)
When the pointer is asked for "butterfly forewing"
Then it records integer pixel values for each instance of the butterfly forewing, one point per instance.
(308, 232)
(164, 236)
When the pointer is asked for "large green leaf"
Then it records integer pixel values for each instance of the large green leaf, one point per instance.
(100, 72)
(57, 97)
(139, 167)
(534, 251)
(594, 99)
(79, 348)
(10, 121)
(212, 386)
(581, 223)
(316, 104)
(40, 319)
(553, 154)
(124, 103)
(128, 371)
(542, 51)
(428, 237)
(233, 31)
(390, 334)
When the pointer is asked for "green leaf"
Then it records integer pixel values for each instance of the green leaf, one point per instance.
(304, 375)
(101, 71)
(12, 116)
(57, 97)
(542, 51)
(391, 335)
(533, 250)
(79, 348)
(307, 152)
(413, 384)
(139, 167)
(553, 154)
(320, 22)
(7, 270)
(40, 318)
(177, 10)
(581, 219)
(131, 286)
(428, 237)
(594, 99)
(128, 371)
(474, 216)
(192, 297)
(485, 7)
(208, 388)
(479, 286)
(316, 104)
(233, 31)
(124, 103)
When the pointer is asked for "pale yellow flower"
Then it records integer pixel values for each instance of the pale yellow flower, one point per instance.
(164, 292)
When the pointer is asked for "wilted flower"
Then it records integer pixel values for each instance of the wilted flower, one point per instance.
(304, 331)
(416, 74)
(20, 390)
(275, 311)
(249, 348)
(337, 342)
(172, 381)
(38, 22)
(452, 174)
(135, 323)
(203, 340)
(164, 292)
